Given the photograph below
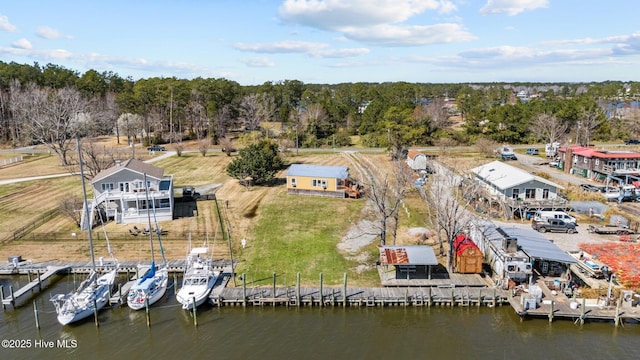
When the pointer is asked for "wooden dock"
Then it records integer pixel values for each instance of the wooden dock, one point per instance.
(368, 297)
(14, 296)
(555, 305)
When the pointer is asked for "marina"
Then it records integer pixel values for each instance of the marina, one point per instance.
(460, 290)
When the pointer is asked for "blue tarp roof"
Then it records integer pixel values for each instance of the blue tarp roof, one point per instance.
(334, 172)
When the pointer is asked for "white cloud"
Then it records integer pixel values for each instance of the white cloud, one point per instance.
(48, 33)
(375, 22)
(512, 7)
(5, 25)
(319, 50)
(258, 62)
(284, 47)
(391, 35)
(22, 44)
(335, 14)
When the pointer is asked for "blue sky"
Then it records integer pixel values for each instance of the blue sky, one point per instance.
(330, 41)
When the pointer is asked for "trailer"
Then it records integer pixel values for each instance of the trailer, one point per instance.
(610, 230)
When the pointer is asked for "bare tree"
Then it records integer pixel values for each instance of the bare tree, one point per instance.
(203, 146)
(256, 108)
(227, 145)
(549, 127)
(69, 206)
(438, 113)
(632, 122)
(221, 122)
(386, 195)
(53, 117)
(487, 147)
(590, 120)
(131, 125)
(449, 196)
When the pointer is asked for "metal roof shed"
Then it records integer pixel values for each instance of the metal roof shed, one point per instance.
(538, 247)
(406, 258)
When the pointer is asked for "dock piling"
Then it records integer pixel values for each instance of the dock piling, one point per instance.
(321, 297)
(95, 312)
(35, 314)
(244, 290)
(146, 305)
(39, 282)
(2, 297)
(175, 283)
(344, 295)
(551, 311)
(13, 298)
(195, 317)
(298, 289)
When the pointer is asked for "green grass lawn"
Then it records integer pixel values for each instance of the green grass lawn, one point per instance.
(299, 234)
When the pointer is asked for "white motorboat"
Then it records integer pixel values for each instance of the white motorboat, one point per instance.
(93, 293)
(199, 278)
(152, 285)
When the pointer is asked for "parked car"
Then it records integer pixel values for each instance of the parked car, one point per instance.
(156, 148)
(553, 163)
(532, 151)
(632, 142)
(553, 225)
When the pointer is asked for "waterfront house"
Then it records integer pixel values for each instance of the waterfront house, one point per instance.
(319, 180)
(514, 253)
(120, 192)
(597, 164)
(520, 192)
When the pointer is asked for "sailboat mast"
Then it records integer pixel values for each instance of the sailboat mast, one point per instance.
(146, 191)
(87, 213)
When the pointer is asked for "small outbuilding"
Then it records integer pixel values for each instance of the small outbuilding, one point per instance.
(468, 257)
(416, 160)
(409, 260)
(318, 180)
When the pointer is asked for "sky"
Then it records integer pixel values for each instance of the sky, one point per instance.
(330, 41)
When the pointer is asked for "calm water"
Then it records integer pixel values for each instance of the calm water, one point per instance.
(309, 333)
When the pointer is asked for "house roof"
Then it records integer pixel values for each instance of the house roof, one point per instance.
(603, 154)
(411, 154)
(536, 246)
(133, 165)
(407, 255)
(335, 172)
(505, 176)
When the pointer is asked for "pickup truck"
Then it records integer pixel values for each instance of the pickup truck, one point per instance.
(554, 225)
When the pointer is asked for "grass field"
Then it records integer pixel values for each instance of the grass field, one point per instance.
(285, 234)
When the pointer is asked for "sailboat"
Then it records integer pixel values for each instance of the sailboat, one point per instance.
(199, 278)
(152, 286)
(93, 293)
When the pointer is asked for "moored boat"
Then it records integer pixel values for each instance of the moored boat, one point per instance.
(199, 278)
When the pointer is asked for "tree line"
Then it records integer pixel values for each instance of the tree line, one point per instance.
(51, 105)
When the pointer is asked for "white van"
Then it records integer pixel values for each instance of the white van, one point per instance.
(560, 215)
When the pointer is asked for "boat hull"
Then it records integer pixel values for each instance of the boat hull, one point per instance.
(84, 303)
(138, 296)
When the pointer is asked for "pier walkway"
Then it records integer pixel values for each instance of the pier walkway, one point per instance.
(14, 296)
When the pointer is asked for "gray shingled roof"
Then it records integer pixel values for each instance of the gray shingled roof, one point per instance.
(133, 165)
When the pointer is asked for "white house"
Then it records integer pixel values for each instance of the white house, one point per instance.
(121, 192)
(509, 182)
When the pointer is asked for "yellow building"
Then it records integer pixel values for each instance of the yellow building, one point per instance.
(320, 181)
